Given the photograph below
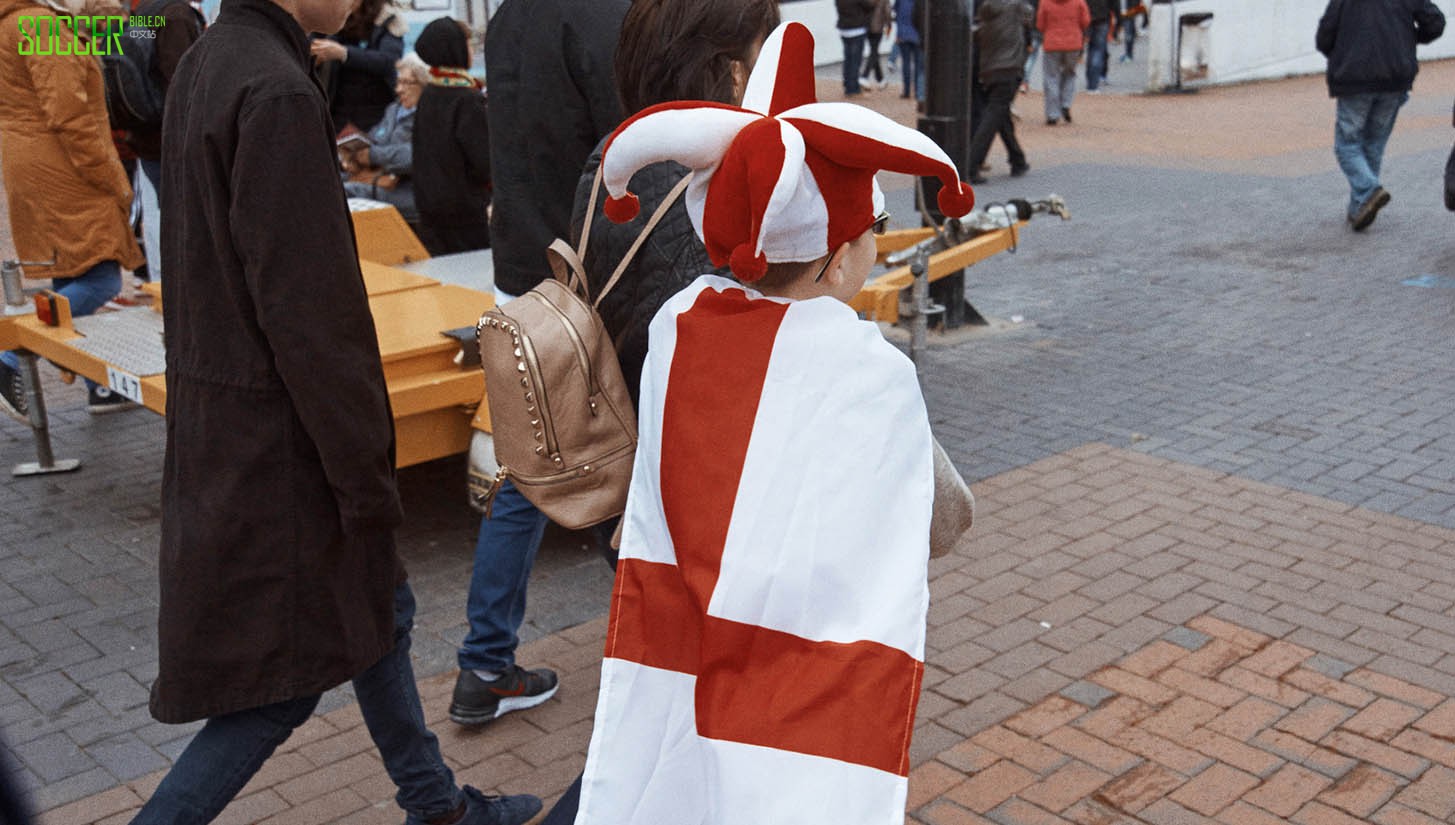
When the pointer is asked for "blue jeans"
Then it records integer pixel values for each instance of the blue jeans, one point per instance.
(912, 69)
(229, 749)
(1128, 25)
(853, 57)
(1361, 129)
(1096, 54)
(504, 554)
(87, 293)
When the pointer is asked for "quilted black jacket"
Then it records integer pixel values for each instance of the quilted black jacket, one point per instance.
(672, 258)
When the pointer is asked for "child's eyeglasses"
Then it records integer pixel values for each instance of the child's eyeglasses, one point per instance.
(880, 224)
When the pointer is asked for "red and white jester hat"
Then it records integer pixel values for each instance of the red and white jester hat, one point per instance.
(782, 178)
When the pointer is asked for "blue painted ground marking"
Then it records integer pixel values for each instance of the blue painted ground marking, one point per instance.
(1431, 281)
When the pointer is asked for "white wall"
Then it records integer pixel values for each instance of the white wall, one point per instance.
(1257, 39)
(821, 18)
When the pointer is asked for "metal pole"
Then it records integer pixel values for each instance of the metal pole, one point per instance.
(45, 462)
(919, 296)
(949, 57)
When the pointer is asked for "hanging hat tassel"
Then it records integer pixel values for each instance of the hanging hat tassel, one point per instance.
(747, 263)
(622, 209)
(956, 200)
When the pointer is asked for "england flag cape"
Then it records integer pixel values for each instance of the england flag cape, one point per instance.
(766, 641)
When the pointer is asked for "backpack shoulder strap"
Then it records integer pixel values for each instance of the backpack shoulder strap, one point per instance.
(567, 264)
(636, 246)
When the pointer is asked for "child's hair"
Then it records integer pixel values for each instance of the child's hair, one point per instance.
(780, 275)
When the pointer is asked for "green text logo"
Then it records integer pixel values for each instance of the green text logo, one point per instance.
(61, 34)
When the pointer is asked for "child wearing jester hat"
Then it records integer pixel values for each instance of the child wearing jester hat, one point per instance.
(766, 640)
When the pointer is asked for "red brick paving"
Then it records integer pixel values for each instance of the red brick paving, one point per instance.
(1204, 711)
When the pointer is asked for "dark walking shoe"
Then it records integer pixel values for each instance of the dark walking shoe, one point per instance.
(12, 394)
(1018, 171)
(483, 809)
(477, 701)
(1361, 219)
(1066, 115)
(1051, 121)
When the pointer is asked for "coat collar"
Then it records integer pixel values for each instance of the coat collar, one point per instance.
(265, 14)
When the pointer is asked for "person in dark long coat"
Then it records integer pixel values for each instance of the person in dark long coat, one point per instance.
(451, 145)
(279, 576)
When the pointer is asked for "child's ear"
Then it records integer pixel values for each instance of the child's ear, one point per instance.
(835, 276)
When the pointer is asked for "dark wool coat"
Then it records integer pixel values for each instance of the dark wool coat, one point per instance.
(1371, 43)
(451, 137)
(671, 258)
(549, 70)
(277, 561)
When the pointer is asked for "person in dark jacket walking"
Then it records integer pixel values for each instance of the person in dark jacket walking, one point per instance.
(279, 574)
(1001, 32)
(911, 52)
(1096, 42)
(854, 19)
(551, 99)
(1370, 45)
(451, 145)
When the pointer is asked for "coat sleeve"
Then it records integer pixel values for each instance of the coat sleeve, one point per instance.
(290, 228)
(592, 61)
(60, 84)
(1429, 22)
(472, 135)
(1085, 17)
(1328, 30)
(378, 59)
(181, 31)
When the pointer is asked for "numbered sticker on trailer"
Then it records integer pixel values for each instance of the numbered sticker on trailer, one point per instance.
(124, 384)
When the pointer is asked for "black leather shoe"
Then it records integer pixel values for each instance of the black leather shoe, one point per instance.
(477, 701)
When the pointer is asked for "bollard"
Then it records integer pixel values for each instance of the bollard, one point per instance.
(15, 303)
(45, 462)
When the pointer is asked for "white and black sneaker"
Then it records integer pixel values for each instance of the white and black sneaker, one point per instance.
(12, 394)
(477, 701)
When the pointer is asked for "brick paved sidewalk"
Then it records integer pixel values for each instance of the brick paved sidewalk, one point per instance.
(1124, 639)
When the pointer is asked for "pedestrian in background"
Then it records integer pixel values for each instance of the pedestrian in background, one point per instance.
(1033, 49)
(911, 52)
(69, 197)
(1096, 43)
(1127, 25)
(451, 144)
(552, 98)
(357, 64)
(854, 18)
(881, 20)
(1370, 45)
(1001, 34)
(1063, 25)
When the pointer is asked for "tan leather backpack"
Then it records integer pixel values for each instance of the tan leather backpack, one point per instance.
(564, 429)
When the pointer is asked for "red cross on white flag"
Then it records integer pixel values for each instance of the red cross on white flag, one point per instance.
(765, 648)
